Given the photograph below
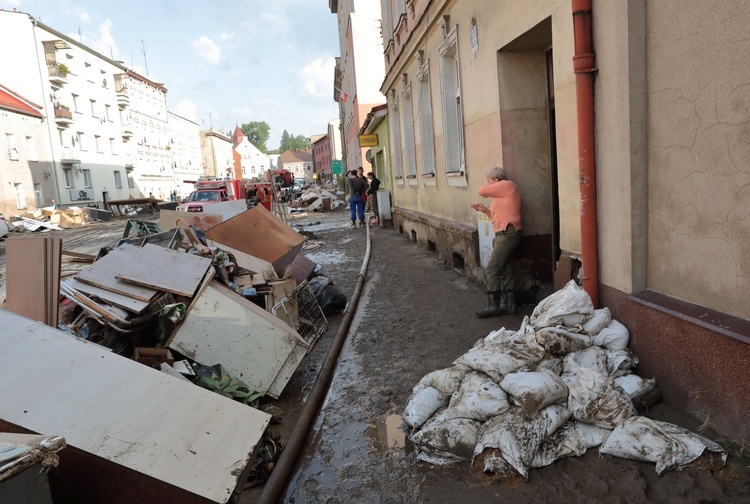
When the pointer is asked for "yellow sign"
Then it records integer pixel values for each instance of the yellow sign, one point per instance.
(315, 176)
(368, 140)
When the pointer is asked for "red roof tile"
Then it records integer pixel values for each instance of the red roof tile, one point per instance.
(16, 103)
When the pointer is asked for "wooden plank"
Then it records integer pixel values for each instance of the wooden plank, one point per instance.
(164, 269)
(33, 278)
(224, 328)
(78, 256)
(102, 274)
(169, 219)
(124, 412)
(247, 261)
(124, 302)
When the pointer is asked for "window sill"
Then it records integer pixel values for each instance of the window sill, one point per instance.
(428, 175)
(411, 176)
(398, 177)
(722, 323)
(454, 174)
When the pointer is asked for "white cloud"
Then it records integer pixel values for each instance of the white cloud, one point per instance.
(271, 22)
(225, 36)
(13, 3)
(100, 40)
(187, 109)
(317, 77)
(81, 14)
(208, 50)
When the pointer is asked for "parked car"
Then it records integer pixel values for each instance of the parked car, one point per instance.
(3, 227)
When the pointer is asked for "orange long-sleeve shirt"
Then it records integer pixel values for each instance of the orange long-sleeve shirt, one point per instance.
(506, 204)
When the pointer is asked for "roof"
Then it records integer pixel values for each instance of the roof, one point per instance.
(378, 111)
(141, 78)
(17, 103)
(296, 156)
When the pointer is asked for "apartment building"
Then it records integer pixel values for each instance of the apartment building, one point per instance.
(216, 154)
(185, 152)
(252, 161)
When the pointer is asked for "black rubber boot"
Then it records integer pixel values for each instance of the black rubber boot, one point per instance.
(362, 223)
(494, 308)
(354, 223)
(509, 302)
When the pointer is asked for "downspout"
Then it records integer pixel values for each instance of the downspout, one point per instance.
(584, 68)
(47, 117)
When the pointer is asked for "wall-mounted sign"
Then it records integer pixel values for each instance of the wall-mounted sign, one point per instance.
(81, 194)
(337, 168)
(368, 140)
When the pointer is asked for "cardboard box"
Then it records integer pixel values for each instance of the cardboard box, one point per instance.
(146, 355)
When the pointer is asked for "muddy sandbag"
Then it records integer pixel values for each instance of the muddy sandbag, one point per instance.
(525, 337)
(445, 380)
(497, 360)
(621, 362)
(567, 441)
(635, 386)
(443, 441)
(613, 337)
(478, 398)
(601, 319)
(534, 390)
(569, 306)
(551, 363)
(590, 358)
(500, 335)
(422, 404)
(594, 398)
(330, 299)
(669, 446)
(560, 341)
(516, 439)
(593, 435)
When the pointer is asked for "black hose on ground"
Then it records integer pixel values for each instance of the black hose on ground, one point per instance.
(277, 483)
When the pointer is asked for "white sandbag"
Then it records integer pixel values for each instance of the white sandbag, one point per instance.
(613, 337)
(478, 398)
(534, 390)
(569, 306)
(669, 446)
(560, 341)
(422, 404)
(525, 337)
(551, 363)
(590, 358)
(601, 319)
(445, 380)
(621, 362)
(499, 335)
(447, 439)
(567, 441)
(635, 386)
(593, 435)
(518, 439)
(595, 398)
(497, 360)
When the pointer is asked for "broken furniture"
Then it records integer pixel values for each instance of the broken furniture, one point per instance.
(141, 228)
(134, 434)
(24, 462)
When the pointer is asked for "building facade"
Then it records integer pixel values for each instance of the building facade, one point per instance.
(85, 117)
(252, 161)
(300, 163)
(359, 72)
(472, 85)
(25, 156)
(150, 157)
(216, 153)
(376, 124)
(185, 153)
(321, 147)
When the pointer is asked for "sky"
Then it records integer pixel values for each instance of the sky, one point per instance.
(223, 63)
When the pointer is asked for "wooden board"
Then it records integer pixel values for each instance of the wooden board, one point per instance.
(163, 269)
(222, 327)
(114, 408)
(252, 263)
(124, 302)
(102, 274)
(33, 277)
(168, 219)
(259, 233)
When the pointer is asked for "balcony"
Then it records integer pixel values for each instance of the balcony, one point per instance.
(63, 117)
(129, 161)
(123, 100)
(127, 133)
(58, 74)
(69, 156)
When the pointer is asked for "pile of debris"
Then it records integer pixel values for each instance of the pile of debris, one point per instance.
(48, 219)
(560, 385)
(315, 199)
(228, 309)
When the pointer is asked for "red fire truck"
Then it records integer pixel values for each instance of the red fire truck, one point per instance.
(213, 191)
(263, 192)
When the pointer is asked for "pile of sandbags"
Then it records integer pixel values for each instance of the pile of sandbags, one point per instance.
(561, 384)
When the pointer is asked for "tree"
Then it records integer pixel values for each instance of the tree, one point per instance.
(291, 142)
(258, 133)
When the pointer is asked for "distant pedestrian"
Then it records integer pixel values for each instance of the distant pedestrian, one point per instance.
(357, 188)
(372, 193)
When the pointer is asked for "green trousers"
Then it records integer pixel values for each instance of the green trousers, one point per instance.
(500, 266)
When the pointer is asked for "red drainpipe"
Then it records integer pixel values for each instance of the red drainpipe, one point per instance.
(583, 65)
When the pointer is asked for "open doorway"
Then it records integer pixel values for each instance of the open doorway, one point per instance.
(529, 152)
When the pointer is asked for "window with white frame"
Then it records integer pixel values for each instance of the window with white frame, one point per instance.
(426, 129)
(395, 127)
(387, 21)
(450, 95)
(75, 103)
(87, 179)
(10, 139)
(407, 130)
(93, 108)
(118, 179)
(79, 141)
(107, 115)
(68, 177)
(131, 182)
(400, 8)
(20, 196)
(112, 148)
(98, 143)
(31, 148)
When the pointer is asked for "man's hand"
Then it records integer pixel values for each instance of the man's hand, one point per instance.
(479, 207)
